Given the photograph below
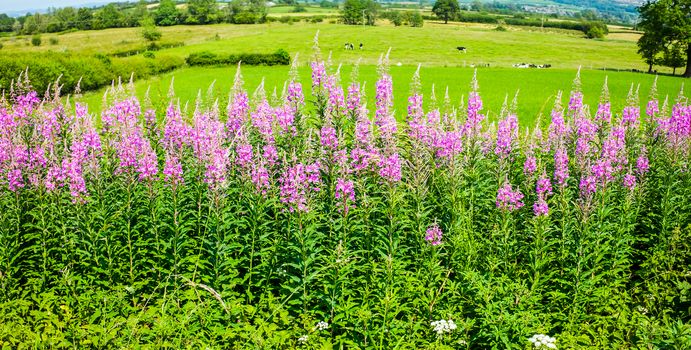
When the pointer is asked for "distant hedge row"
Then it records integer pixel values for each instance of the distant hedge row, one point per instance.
(94, 71)
(100, 70)
(474, 17)
(207, 58)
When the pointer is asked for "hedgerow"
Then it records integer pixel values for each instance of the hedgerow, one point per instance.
(302, 222)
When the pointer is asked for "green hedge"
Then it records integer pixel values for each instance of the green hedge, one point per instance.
(207, 58)
(94, 71)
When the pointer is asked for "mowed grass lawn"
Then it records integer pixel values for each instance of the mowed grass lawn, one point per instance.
(537, 88)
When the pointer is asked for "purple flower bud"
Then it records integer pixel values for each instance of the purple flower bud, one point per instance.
(433, 236)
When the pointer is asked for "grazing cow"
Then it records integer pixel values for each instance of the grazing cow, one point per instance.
(360, 46)
(352, 47)
(461, 49)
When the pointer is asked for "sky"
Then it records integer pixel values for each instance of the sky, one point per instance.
(16, 5)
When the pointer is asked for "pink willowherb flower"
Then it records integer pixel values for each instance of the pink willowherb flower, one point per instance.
(530, 165)
(390, 167)
(507, 132)
(561, 167)
(508, 199)
(629, 181)
(345, 191)
(433, 235)
(296, 183)
(260, 177)
(540, 207)
(588, 185)
(172, 170)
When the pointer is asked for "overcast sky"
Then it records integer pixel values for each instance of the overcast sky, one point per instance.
(16, 5)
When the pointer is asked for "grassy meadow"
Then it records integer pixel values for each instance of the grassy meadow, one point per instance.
(536, 89)
(433, 47)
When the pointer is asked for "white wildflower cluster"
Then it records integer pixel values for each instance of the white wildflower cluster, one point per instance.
(303, 339)
(543, 341)
(443, 326)
(322, 326)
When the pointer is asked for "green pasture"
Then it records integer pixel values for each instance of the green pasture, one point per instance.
(434, 44)
(537, 88)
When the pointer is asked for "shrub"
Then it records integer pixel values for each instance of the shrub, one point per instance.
(206, 58)
(416, 20)
(53, 41)
(36, 40)
(149, 54)
(500, 28)
(595, 33)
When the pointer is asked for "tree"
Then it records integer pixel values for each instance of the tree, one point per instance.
(149, 31)
(108, 17)
(6, 23)
(202, 11)
(674, 58)
(166, 14)
(356, 11)
(84, 18)
(416, 20)
(666, 24)
(446, 9)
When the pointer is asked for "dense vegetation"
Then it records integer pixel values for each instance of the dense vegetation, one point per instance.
(120, 15)
(667, 34)
(90, 72)
(298, 221)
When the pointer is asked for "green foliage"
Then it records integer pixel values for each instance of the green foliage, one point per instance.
(147, 264)
(202, 12)
(446, 9)
(595, 33)
(36, 40)
(359, 12)
(149, 31)
(167, 14)
(416, 20)
(94, 72)
(207, 58)
(53, 40)
(666, 24)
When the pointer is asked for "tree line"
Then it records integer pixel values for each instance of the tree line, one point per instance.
(120, 15)
(666, 39)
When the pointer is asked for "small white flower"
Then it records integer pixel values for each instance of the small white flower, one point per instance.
(303, 339)
(322, 325)
(443, 326)
(541, 341)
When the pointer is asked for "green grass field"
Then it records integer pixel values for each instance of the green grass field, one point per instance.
(433, 46)
(537, 89)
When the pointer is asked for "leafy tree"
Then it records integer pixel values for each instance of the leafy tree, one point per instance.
(674, 58)
(137, 15)
(202, 11)
(108, 17)
(666, 24)
(166, 14)
(595, 32)
(356, 11)
(149, 30)
(446, 9)
(6, 23)
(416, 20)
(84, 18)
